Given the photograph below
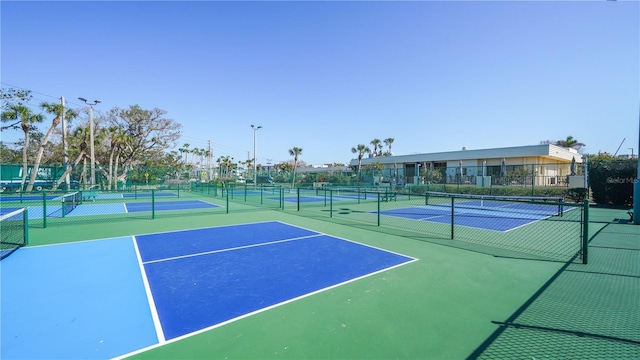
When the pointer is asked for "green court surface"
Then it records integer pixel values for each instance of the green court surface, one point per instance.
(455, 302)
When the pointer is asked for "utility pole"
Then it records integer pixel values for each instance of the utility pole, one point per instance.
(255, 165)
(636, 183)
(91, 140)
(65, 153)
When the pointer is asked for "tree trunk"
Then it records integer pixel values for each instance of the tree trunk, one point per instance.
(36, 165)
(67, 171)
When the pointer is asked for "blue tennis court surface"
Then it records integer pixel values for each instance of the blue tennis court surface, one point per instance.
(169, 205)
(473, 215)
(201, 278)
(307, 199)
(4, 211)
(74, 303)
(93, 209)
(157, 194)
(27, 197)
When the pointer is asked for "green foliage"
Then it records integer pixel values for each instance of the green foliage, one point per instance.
(601, 156)
(13, 96)
(521, 175)
(9, 155)
(577, 194)
(432, 176)
(611, 180)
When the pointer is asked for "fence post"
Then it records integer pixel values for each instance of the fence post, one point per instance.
(153, 204)
(281, 193)
(227, 201)
(330, 203)
(452, 216)
(585, 232)
(44, 209)
(25, 217)
(379, 206)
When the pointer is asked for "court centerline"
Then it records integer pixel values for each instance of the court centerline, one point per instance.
(231, 249)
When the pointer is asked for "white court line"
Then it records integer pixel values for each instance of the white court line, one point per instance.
(231, 249)
(147, 288)
(274, 305)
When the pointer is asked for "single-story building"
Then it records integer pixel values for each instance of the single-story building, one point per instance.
(538, 165)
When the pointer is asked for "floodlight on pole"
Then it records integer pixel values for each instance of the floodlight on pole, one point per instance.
(91, 144)
(255, 164)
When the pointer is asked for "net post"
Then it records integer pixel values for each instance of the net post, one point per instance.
(560, 207)
(153, 204)
(452, 216)
(585, 232)
(64, 205)
(25, 217)
(298, 195)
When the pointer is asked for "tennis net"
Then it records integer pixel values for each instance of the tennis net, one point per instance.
(531, 205)
(70, 202)
(13, 232)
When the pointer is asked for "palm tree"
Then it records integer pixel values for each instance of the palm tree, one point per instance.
(295, 152)
(249, 165)
(361, 149)
(376, 144)
(196, 156)
(225, 163)
(185, 149)
(388, 142)
(55, 109)
(117, 136)
(570, 142)
(27, 118)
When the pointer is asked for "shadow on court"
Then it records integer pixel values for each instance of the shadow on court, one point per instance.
(584, 311)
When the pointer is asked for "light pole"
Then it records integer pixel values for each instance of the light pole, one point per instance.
(255, 165)
(636, 184)
(91, 145)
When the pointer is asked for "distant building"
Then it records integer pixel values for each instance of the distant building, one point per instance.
(544, 165)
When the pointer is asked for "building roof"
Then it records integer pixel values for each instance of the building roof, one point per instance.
(549, 151)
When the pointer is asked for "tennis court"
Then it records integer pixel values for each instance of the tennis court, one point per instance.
(487, 215)
(61, 209)
(7, 198)
(167, 285)
(322, 282)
